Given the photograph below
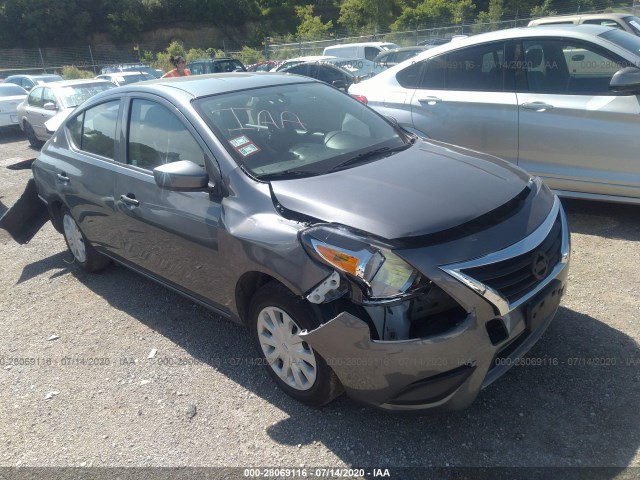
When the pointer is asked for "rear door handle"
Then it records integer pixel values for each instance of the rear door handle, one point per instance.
(130, 200)
(63, 177)
(430, 100)
(537, 106)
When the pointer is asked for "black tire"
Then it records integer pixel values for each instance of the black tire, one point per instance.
(31, 136)
(325, 386)
(83, 252)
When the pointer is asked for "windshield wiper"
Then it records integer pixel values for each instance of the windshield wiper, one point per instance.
(382, 151)
(285, 174)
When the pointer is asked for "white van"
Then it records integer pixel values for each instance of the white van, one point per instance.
(368, 50)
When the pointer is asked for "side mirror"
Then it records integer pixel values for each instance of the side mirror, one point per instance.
(339, 84)
(626, 80)
(50, 106)
(182, 175)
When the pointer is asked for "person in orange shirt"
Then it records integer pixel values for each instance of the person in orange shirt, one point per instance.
(178, 62)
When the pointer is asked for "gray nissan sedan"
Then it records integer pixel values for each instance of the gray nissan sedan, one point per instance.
(408, 273)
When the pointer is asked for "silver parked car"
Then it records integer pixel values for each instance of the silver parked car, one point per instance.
(11, 96)
(408, 273)
(125, 78)
(29, 81)
(56, 99)
(560, 102)
(623, 21)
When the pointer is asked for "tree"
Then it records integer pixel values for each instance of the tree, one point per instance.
(489, 21)
(463, 11)
(249, 56)
(33, 23)
(543, 10)
(358, 14)
(427, 13)
(311, 26)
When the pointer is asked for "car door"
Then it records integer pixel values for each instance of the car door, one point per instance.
(41, 106)
(574, 132)
(172, 235)
(84, 173)
(466, 97)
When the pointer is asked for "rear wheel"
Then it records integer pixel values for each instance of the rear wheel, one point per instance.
(276, 318)
(31, 136)
(83, 252)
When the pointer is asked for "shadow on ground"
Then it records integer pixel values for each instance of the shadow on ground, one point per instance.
(573, 403)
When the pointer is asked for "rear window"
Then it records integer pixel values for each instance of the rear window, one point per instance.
(12, 90)
(625, 40)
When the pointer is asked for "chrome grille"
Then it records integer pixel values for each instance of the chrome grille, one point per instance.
(515, 277)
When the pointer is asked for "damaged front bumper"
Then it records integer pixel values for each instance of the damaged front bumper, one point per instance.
(448, 370)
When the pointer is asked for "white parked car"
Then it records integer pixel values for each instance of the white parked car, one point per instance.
(560, 102)
(54, 99)
(10, 97)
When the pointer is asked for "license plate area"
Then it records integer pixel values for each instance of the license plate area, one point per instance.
(543, 305)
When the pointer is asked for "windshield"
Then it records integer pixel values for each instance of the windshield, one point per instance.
(297, 129)
(623, 39)
(73, 96)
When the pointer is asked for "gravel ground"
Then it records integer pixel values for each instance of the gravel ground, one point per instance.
(89, 395)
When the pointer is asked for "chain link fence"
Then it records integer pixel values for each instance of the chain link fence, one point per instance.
(95, 57)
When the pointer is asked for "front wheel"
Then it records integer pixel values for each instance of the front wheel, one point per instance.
(276, 319)
(83, 252)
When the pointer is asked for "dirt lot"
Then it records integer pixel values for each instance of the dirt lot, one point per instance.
(77, 387)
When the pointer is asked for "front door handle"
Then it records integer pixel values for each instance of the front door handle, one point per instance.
(130, 200)
(537, 106)
(430, 100)
(63, 177)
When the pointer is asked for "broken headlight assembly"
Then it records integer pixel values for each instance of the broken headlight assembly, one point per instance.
(379, 273)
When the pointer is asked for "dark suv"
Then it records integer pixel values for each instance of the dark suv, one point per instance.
(215, 65)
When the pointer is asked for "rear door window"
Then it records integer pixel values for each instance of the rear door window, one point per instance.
(568, 67)
(94, 130)
(477, 68)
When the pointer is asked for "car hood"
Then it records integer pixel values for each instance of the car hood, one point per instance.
(428, 188)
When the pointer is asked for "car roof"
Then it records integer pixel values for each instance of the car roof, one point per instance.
(128, 73)
(365, 44)
(12, 86)
(594, 16)
(34, 77)
(73, 83)
(584, 32)
(197, 86)
(322, 64)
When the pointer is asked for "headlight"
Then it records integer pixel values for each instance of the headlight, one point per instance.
(376, 269)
